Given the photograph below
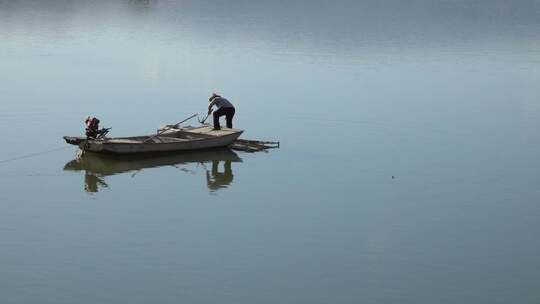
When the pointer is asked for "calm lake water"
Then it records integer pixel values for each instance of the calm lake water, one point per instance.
(408, 170)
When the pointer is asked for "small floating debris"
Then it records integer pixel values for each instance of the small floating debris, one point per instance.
(253, 145)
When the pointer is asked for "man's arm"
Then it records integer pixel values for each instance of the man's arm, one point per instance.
(212, 103)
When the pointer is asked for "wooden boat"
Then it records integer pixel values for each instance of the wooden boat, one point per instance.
(171, 140)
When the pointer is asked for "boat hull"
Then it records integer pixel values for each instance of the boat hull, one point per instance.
(170, 142)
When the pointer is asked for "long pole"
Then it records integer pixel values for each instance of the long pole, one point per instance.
(204, 120)
(168, 127)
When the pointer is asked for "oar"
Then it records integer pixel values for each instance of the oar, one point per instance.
(168, 127)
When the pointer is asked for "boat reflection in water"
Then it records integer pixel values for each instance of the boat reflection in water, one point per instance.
(97, 167)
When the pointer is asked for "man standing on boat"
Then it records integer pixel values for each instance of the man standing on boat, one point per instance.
(224, 108)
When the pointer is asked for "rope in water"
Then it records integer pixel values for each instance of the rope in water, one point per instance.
(32, 155)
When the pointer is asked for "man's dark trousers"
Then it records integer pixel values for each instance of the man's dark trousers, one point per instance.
(229, 114)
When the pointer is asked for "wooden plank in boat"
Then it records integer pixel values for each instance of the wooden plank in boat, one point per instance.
(164, 139)
(210, 131)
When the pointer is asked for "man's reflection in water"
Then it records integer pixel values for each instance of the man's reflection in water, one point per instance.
(216, 180)
(92, 182)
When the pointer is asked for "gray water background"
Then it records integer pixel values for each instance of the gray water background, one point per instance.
(441, 95)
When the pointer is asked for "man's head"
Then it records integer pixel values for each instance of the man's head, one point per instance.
(214, 95)
(87, 118)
